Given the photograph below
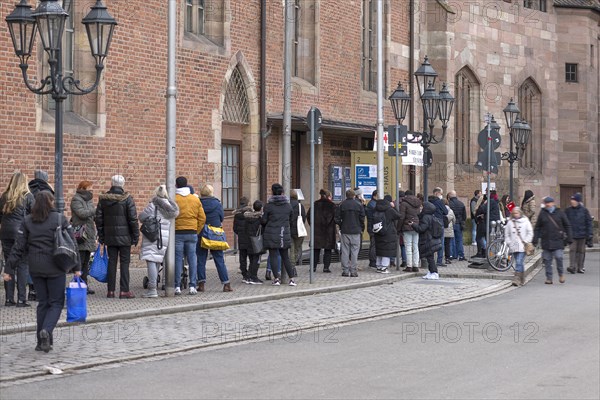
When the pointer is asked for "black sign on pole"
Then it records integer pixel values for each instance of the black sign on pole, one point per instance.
(314, 119)
(402, 144)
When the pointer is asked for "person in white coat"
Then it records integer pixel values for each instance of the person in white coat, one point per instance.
(518, 231)
(154, 252)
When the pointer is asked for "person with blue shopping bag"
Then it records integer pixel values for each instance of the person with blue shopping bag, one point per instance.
(36, 239)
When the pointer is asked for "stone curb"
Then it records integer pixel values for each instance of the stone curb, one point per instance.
(498, 287)
(275, 296)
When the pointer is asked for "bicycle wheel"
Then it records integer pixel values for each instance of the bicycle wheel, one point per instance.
(499, 256)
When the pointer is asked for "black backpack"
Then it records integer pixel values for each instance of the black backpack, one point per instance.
(380, 224)
(151, 228)
(437, 230)
(446, 221)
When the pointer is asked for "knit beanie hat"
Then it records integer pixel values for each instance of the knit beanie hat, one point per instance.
(118, 180)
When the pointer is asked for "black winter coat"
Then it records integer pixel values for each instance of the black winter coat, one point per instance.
(581, 222)
(36, 239)
(297, 210)
(239, 228)
(545, 229)
(277, 219)
(38, 185)
(11, 222)
(116, 219)
(369, 210)
(252, 225)
(386, 245)
(325, 224)
(427, 244)
(409, 213)
(350, 216)
(459, 210)
(440, 207)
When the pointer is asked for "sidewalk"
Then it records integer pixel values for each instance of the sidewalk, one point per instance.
(101, 309)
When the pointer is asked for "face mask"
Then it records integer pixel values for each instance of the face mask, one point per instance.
(440, 197)
(551, 209)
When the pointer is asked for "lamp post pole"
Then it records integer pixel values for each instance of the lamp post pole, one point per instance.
(49, 20)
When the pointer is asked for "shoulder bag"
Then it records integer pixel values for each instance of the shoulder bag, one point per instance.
(564, 235)
(257, 242)
(213, 238)
(66, 252)
(529, 247)
(300, 223)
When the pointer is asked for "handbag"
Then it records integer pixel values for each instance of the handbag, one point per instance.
(76, 300)
(66, 252)
(213, 238)
(99, 267)
(300, 223)
(151, 229)
(257, 242)
(80, 234)
(529, 247)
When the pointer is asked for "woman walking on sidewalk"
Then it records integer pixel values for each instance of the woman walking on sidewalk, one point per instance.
(518, 231)
(82, 216)
(36, 239)
(165, 210)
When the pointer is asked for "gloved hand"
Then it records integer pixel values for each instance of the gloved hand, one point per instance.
(589, 242)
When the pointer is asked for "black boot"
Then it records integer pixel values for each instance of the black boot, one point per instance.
(31, 296)
(268, 275)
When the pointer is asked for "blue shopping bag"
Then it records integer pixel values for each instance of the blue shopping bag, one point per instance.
(99, 268)
(77, 300)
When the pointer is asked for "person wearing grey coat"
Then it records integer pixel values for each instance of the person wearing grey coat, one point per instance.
(154, 252)
(83, 212)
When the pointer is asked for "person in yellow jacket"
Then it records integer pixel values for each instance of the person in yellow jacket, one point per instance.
(188, 225)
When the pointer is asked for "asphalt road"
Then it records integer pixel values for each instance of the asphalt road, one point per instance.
(537, 342)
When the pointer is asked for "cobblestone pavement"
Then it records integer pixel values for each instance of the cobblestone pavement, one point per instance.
(93, 344)
(102, 309)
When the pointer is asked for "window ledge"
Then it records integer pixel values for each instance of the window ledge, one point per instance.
(73, 124)
(304, 86)
(202, 43)
(368, 97)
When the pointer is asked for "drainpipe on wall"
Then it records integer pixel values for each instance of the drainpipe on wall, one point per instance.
(263, 101)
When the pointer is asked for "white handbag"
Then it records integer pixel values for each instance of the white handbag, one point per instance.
(300, 223)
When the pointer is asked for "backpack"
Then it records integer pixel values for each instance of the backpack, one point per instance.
(436, 229)
(151, 228)
(380, 224)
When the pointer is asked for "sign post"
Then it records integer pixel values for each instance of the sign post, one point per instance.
(314, 119)
(397, 150)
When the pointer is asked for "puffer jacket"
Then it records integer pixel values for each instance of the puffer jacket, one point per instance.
(213, 209)
(82, 213)
(191, 216)
(239, 227)
(297, 209)
(116, 218)
(11, 222)
(36, 240)
(166, 210)
(386, 245)
(324, 224)
(528, 207)
(252, 226)
(516, 232)
(277, 218)
(369, 210)
(350, 216)
(547, 231)
(581, 222)
(440, 208)
(409, 213)
(459, 209)
(449, 231)
(427, 244)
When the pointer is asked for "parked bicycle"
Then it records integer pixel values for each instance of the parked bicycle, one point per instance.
(498, 253)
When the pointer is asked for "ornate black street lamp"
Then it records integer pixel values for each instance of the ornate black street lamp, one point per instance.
(435, 106)
(49, 20)
(519, 132)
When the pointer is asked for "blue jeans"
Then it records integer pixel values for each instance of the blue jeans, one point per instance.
(473, 230)
(459, 250)
(185, 245)
(519, 259)
(278, 269)
(403, 253)
(547, 256)
(219, 263)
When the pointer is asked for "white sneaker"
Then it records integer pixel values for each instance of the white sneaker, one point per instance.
(384, 271)
(292, 283)
(435, 276)
(428, 276)
(177, 291)
(193, 291)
